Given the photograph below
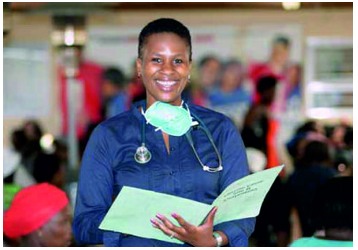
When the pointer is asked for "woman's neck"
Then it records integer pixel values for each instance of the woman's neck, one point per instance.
(149, 102)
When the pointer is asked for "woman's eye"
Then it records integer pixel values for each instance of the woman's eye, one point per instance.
(157, 60)
(178, 61)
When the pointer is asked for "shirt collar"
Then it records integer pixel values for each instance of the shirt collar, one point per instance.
(135, 108)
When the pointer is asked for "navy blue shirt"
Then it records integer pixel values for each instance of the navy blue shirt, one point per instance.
(108, 164)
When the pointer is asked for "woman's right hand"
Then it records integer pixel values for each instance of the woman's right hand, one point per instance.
(201, 236)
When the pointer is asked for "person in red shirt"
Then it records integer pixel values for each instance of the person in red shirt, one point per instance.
(88, 95)
(276, 66)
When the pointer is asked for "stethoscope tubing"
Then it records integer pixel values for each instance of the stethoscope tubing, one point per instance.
(201, 125)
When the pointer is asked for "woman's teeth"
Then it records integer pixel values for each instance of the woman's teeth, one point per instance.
(166, 83)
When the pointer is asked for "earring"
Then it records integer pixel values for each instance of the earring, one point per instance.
(39, 233)
(188, 78)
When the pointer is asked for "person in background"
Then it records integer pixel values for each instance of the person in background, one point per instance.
(332, 214)
(136, 89)
(117, 98)
(231, 97)
(230, 89)
(308, 131)
(87, 92)
(343, 161)
(39, 216)
(11, 163)
(255, 130)
(18, 160)
(277, 64)
(48, 168)
(114, 92)
(30, 148)
(33, 132)
(316, 167)
(348, 138)
(337, 136)
(208, 76)
(272, 222)
(293, 80)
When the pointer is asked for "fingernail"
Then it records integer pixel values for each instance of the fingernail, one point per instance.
(175, 215)
(159, 216)
(153, 223)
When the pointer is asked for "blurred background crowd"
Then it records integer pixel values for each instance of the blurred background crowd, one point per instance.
(288, 108)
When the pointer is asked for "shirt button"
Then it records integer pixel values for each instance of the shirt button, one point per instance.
(172, 149)
(171, 173)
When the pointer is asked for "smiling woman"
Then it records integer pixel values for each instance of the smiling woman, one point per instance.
(168, 126)
(164, 63)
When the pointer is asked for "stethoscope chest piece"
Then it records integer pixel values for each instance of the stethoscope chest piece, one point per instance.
(142, 154)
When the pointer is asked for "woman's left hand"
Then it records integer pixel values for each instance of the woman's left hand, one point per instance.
(201, 236)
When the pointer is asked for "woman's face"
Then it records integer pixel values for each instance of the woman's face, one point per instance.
(164, 68)
(210, 73)
(232, 78)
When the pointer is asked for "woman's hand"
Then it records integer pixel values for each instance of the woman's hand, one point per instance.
(201, 236)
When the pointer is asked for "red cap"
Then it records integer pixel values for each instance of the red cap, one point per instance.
(33, 207)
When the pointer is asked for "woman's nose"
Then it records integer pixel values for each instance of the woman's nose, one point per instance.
(167, 68)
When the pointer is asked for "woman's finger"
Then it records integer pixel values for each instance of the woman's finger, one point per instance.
(187, 226)
(166, 230)
(165, 221)
(170, 225)
(210, 219)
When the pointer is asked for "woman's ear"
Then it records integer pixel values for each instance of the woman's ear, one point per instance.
(190, 66)
(139, 66)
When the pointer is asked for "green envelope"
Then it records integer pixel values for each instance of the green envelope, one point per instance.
(133, 208)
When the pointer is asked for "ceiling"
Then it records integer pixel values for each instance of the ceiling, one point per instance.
(51, 7)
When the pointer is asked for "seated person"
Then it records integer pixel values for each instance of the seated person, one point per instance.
(39, 216)
(332, 212)
(315, 169)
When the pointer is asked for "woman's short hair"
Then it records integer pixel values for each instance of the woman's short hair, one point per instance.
(164, 25)
(332, 207)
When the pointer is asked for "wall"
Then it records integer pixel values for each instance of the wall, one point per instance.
(38, 28)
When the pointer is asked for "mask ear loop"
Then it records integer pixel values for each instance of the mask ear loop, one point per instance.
(193, 123)
(147, 121)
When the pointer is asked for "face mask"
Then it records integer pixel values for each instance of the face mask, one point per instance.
(173, 120)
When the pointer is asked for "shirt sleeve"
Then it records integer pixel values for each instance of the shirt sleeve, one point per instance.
(95, 189)
(235, 167)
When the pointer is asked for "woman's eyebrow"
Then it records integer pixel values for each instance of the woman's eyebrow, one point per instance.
(162, 54)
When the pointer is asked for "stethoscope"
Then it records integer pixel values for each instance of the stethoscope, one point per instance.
(143, 155)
